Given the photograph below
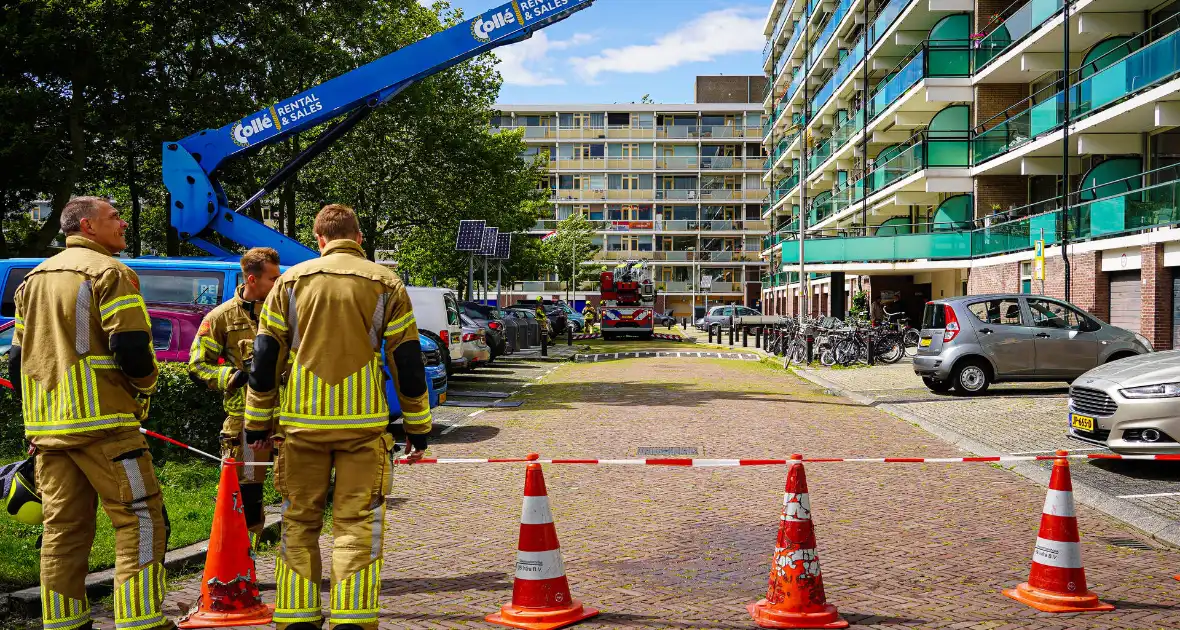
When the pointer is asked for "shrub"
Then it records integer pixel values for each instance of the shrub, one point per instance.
(181, 409)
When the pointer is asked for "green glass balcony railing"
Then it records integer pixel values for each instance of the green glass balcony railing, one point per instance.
(1146, 207)
(1012, 26)
(784, 187)
(1104, 83)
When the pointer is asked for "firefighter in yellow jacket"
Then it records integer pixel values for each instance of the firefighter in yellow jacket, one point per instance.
(331, 318)
(83, 366)
(227, 332)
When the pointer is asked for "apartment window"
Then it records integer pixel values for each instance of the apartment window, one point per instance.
(581, 120)
(614, 243)
(630, 182)
(631, 150)
(619, 120)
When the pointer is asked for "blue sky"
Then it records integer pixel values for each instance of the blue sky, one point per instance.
(618, 50)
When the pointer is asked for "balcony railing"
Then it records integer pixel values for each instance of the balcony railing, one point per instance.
(1012, 26)
(1146, 207)
(1098, 84)
(829, 29)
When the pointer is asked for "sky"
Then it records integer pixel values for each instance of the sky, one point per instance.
(617, 51)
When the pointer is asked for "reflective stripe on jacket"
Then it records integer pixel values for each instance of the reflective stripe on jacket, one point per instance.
(226, 331)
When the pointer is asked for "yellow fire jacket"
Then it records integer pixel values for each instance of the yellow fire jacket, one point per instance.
(70, 309)
(226, 332)
(331, 318)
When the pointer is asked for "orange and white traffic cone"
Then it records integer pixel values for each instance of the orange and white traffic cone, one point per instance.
(795, 597)
(541, 597)
(229, 588)
(1057, 581)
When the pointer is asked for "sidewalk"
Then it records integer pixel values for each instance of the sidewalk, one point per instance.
(1018, 418)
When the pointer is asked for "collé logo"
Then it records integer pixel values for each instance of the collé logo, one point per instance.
(243, 130)
(483, 26)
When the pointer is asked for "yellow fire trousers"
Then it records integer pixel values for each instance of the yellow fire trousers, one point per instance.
(116, 466)
(251, 478)
(303, 473)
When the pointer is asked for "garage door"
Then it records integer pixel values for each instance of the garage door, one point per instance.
(1125, 300)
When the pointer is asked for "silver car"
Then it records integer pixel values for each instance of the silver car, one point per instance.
(968, 343)
(1130, 406)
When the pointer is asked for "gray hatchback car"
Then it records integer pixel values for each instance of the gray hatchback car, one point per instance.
(970, 342)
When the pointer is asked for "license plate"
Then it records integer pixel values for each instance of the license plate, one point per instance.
(1080, 422)
(925, 341)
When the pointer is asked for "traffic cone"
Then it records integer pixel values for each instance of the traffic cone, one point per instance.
(1057, 581)
(795, 597)
(541, 597)
(229, 588)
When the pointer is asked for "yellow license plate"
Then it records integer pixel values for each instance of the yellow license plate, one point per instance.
(1082, 423)
(925, 341)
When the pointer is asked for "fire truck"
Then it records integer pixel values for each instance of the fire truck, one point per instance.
(628, 301)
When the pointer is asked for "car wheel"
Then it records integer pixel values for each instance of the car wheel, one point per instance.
(971, 377)
(936, 385)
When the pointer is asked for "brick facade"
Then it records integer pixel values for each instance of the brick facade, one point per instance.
(1002, 278)
(1089, 285)
(1006, 191)
(994, 98)
(1156, 321)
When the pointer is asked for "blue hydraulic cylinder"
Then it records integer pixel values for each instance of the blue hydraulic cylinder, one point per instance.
(198, 202)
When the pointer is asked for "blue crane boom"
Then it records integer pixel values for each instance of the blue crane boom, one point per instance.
(198, 202)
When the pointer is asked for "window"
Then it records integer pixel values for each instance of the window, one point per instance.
(1026, 277)
(161, 334)
(16, 275)
(997, 312)
(452, 309)
(6, 340)
(178, 286)
(1048, 314)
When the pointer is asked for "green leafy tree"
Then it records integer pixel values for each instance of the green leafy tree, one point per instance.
(571, 246)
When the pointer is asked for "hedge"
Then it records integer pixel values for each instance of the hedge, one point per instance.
(181, 409)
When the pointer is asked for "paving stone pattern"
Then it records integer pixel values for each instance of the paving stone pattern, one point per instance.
(901, 545)
(1013, 418)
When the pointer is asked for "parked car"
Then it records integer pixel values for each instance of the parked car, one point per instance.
(1129, 405)
(494, 328)
(665, 319)
(553, 311)
(474, 344)
(968, 343)
(574, 319)
(723, 315)
(436, 311)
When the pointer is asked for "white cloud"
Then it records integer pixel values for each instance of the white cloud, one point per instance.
(530, 62)
(709, 36)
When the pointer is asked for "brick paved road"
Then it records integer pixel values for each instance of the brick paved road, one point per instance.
(925, 546)
(1016, 418)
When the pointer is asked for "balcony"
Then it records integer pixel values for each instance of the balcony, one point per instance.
(582, 133)
(575, 164)
(1145, 207)
(578, 194)
(1011, 27)
(941, 58)
(630, 163)
(538, 286)
(688, 163)
(627, 132)
(1105, 83)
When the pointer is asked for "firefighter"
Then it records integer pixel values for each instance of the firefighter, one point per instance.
(589, 314)
(330, 317)
(542, 318)
(83, 367)
(227, 332)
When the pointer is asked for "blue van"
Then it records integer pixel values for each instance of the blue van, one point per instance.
(204, 281)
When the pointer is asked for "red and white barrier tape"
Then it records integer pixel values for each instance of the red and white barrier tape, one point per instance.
(723, 463)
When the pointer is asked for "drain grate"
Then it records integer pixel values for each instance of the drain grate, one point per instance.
(667, 451)
(1129, 543)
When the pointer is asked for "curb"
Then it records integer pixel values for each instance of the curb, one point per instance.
(27, 602)
(1156, 527)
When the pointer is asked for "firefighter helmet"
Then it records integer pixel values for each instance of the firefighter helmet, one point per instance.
(20, 492)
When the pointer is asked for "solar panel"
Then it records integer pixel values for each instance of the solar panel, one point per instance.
(489, 241)
(503, 247)
(470, 236)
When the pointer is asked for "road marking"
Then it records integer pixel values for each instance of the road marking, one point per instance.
(1072, 450)
(462, 422)
(1148, 496)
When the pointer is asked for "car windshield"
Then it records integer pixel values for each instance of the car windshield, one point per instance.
(6, 340)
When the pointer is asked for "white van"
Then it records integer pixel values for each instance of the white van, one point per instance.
(437, 313)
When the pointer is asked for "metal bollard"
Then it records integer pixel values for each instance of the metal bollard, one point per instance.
(544, 344)
(710, 334)
(869, 343)
(731, 334)
(745, 337)
(758, 337)
(569, 336)
(810, 349)
(684, 323)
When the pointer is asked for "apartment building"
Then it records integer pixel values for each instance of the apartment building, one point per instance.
(924, 146)
(679, 185)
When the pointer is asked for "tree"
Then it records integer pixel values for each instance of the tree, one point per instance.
(571, 246)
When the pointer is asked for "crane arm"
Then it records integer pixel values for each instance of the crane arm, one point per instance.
(198, 202)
